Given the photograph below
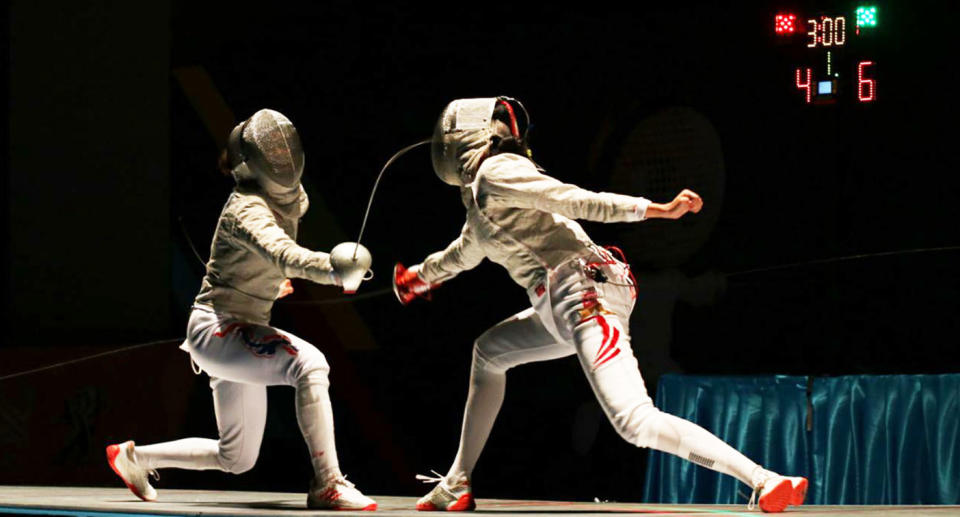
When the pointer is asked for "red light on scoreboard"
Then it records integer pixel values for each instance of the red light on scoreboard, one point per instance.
(830, 64)
(785, 23)
(807, 82)
(866, 87)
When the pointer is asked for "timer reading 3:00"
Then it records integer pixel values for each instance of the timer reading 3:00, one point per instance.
(834, 63)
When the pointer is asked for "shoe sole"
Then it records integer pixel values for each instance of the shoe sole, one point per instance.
(799, 493)
(368, 508)
(777, 500)
(464, 504)
(112, 452)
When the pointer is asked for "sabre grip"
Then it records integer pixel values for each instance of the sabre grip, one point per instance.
(407, 285)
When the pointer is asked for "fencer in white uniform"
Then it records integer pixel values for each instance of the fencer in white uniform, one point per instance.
(253, 255)
(581, 296)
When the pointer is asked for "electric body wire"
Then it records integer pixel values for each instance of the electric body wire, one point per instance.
(332, 301)
(381, 292)
(86, 358)
(830, 260)
(186, 235)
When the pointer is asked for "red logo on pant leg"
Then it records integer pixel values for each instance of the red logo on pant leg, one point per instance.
(608, 348)
(260, 346)
(227, 329)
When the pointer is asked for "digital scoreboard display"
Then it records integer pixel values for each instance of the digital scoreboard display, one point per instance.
(832, 54)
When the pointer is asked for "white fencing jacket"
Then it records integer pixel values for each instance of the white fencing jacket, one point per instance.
(522, 219)
(253, 252)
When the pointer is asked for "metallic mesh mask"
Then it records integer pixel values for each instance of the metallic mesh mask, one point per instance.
(463, 136)
(460, 138)
(266, 149)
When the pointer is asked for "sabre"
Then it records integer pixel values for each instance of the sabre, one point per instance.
(354, 269)
(373, 192)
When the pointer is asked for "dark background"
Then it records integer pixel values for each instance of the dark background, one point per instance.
(117, 113)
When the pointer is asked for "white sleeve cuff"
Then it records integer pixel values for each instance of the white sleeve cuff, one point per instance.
(418, 269)
(640, 210)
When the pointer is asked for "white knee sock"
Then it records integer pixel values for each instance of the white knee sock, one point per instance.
(689, 441)
(188, 453)
(315, 416)
(487, 388)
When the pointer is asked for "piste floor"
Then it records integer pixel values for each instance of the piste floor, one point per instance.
(119, 502)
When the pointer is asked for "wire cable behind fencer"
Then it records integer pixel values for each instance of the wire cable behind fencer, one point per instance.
(332, 301)
(381, 292)
(844, 258)
(186, 235)
(376, 183)
(85, 358)
(764, 269)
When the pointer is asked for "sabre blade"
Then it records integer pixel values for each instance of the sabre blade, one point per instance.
(373, 192)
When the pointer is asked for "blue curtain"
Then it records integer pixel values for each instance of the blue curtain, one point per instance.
(883, 439)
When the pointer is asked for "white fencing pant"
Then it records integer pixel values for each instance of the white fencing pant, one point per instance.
(574, 314)
(242, 359)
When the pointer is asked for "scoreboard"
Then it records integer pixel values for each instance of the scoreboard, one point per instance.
(832, 54)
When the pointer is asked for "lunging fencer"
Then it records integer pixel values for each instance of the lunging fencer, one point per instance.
(581, 296)
(252, 258)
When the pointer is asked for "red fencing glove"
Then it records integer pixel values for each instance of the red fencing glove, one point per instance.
(408, 285)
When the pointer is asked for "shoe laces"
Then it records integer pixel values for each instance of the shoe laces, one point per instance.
(341, 480)
(753, 497)
(442, 482)
(429, 479)
(151, 473)
(752, 503)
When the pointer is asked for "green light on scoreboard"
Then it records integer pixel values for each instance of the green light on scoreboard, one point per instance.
(867, 16)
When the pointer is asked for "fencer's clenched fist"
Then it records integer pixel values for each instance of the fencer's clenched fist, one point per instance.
(686, 201)
(286, 288)
(408, 285)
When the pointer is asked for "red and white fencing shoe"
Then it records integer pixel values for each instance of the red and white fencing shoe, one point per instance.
(123, 461)
(338, 494)
(445, 497)
(777, 492)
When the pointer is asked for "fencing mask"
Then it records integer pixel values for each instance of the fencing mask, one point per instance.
(266, 149)
(464, 134)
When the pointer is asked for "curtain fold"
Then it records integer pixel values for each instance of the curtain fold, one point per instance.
(881, 439)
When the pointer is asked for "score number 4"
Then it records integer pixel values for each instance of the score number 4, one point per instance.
(866, 87)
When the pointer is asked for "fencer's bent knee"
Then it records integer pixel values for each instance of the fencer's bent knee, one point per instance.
(484, 359)
(311, 384)
(316, 376)
(237, 462)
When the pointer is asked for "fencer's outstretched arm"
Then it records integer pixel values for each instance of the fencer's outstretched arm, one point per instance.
(461, 255)
(514, 181)
(256, 228)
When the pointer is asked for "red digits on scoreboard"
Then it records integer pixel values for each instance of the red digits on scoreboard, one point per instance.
(805, 85)
(866, 88)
